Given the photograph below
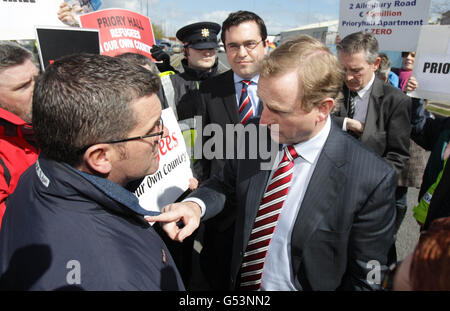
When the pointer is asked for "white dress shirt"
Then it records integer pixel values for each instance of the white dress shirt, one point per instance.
(361, 104)
(251, 90)
(277, 272)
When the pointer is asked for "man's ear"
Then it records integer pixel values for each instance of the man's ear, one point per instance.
(98, 158)
(376, 64)
(266, 46)
(325, 108)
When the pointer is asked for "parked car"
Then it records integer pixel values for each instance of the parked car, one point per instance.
(177, 48)
(221, 48)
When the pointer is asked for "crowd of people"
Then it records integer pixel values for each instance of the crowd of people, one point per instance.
(76, 139)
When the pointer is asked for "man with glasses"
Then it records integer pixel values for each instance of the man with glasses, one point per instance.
(71, 224)
(229, 98)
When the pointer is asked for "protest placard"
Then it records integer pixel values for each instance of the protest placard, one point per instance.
(54, 43)
(171, 179)
(18, 19)
(396, 24)
(432, 63)
(121, 31)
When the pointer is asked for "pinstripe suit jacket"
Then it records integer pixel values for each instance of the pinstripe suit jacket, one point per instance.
(346, 219)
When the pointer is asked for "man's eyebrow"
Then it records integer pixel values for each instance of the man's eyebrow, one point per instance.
(21, 85)
(158, 121)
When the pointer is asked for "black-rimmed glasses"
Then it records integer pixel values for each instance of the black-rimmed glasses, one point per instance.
(248, 45)
(160, 125)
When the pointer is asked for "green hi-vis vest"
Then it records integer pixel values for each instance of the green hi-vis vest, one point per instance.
(421, 210)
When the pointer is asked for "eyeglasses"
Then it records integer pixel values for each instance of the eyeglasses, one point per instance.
(248, 45)
(159, 125)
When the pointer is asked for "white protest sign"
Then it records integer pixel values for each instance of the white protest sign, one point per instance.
(395, 23)
(432, 63)
(18, 19)
(172, 177)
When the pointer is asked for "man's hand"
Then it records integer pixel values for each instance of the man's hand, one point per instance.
(193, 184)
(188, 212)
(69, 15)
(355, 126)
(159, 54)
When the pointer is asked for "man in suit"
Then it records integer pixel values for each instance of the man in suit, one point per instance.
(376, 113)
(221, 101)
(244, 36)
(325, 223)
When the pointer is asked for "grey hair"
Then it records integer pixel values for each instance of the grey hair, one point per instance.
(357, 42)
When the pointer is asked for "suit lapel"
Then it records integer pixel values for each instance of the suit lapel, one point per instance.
(373, 122)
(328, 175)
(255, 193)
(229, 101)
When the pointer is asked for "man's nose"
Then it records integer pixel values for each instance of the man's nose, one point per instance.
(242, 52)
(166, 131)
(349, 76)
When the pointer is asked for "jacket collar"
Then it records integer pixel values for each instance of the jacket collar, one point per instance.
(197, 74)
(115, 192)
(84, 191)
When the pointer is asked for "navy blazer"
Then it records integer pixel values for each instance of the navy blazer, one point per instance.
(217, 97)
(345, 222)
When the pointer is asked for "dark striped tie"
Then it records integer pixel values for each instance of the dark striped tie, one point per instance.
(265, 222)
(351, 108)
(245, 103)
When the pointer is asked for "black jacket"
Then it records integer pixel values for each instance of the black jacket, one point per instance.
(186, 85)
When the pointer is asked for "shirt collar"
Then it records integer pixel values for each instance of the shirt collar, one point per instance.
(310, 150)
(238, 79)
(363, 91)
(115, 192)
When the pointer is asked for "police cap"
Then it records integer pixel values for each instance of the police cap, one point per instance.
(199, 36)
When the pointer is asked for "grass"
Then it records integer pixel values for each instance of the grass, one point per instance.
(437, 110)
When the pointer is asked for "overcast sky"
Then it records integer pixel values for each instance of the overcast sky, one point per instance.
(279, 15)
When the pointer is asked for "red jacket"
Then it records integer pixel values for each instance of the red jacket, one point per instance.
(16, 153)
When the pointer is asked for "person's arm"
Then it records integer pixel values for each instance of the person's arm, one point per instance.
(430, 131)
(371, 237)
(345, 123)
(159, 55)
(212, 194)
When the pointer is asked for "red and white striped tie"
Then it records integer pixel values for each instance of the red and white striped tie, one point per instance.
(265, 222)
(245, 103)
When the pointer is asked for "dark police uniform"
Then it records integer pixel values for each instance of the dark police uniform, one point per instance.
(180, 94)
(199, 36)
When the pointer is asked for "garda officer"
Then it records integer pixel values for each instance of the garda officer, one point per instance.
(200, 62)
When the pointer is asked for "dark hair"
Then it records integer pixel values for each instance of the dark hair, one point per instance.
(139, 59)
(12, 54)
(84, 99)
(360, 41)
(405, 54)
(239, 17)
